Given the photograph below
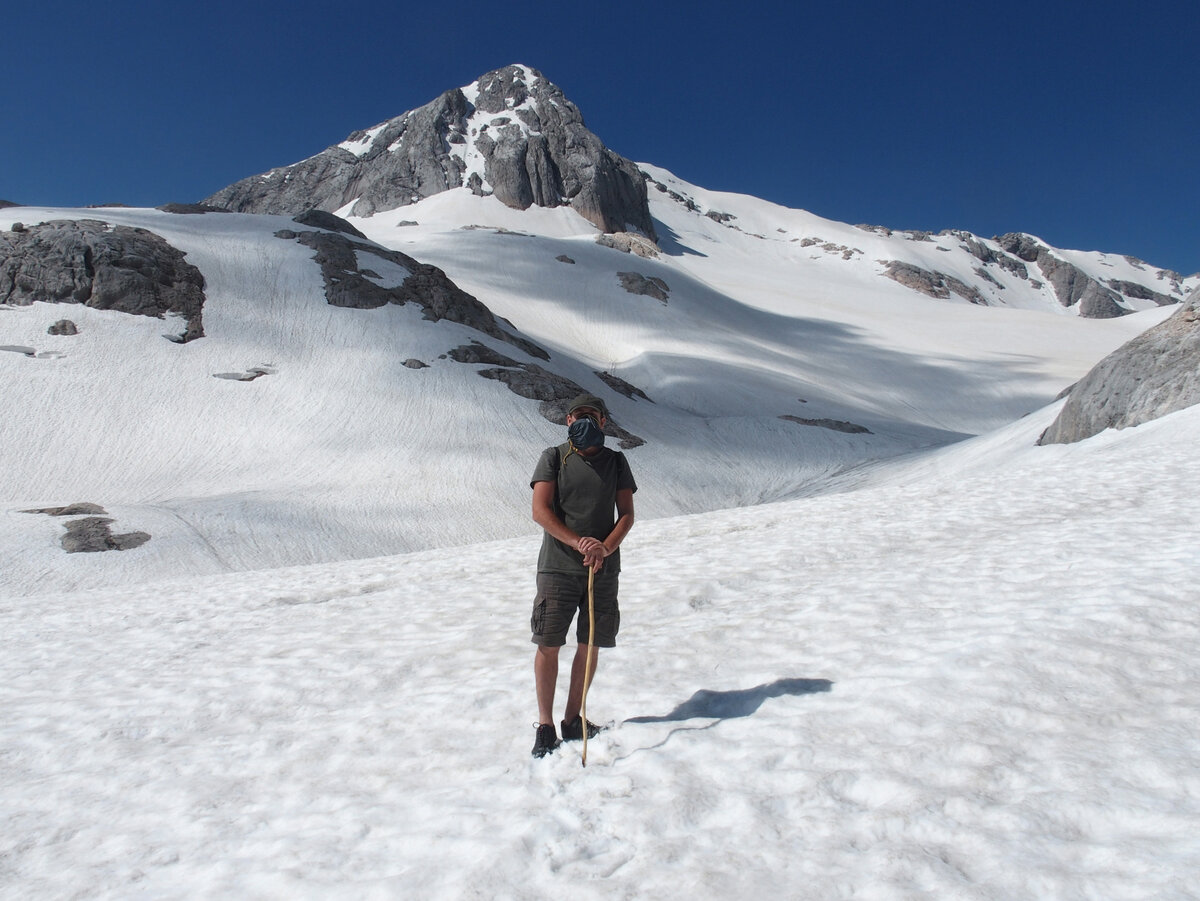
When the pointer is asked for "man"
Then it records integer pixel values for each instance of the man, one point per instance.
(583, 499)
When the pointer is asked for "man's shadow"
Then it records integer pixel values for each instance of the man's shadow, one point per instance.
(724, 705)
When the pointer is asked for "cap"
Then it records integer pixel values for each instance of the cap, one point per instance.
(588, 400)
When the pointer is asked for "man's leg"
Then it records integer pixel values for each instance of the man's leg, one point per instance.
(545, 678)
(575, 693)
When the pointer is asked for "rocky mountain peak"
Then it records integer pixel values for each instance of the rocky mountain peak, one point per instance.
(511, 134)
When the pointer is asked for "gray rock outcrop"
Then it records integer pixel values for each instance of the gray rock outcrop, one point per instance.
(648, 286)
(348, 285)
(934, 284)
(533, 145)
(102, 266)
(94, 534)
(1071, 285)
(63, 327)
(834, 425)
(534, 382)
(1156, 373)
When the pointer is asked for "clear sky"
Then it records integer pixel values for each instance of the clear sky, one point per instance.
(1074, 121)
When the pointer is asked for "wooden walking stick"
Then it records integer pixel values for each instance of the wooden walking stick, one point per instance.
(587, 663)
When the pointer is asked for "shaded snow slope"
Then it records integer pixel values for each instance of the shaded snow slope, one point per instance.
(972, 681)
(338, 450)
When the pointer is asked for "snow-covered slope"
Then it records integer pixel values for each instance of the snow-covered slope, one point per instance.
(971, 681)
(341, 451)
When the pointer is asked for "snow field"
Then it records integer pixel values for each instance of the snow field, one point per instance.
(970, 682)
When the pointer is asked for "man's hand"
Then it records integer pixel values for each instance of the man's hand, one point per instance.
(594, 552)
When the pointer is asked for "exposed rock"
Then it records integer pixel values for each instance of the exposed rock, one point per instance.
(248, 376)
(717, 216)
(563, 258)
(621, 386)
(105, 267)
(987, 277)
(191, 208)
(1156, 373)
(321, 219)
(836, 425)
(80, 509)
(477, 352)
(935, 284)
(685, 202)
(530, 380)
(427, 286)
(1022, 246)
(18, 227)
(1140, 292)
(548, 158)
(63, 327)
(1071, 285)
(627, 242)
(1015, 266)
(5, 204)
(94, 534)
(413, 363)
(636, 283)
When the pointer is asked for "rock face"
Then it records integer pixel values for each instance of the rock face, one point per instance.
(1156, 373)
(529, 380)
(350, 282)
(104, 267)
(935, 284)
(511, 134)
(1071, 285)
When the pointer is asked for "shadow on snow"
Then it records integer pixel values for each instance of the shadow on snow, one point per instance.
(725, 705)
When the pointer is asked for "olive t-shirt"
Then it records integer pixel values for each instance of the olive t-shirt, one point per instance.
(585, 499)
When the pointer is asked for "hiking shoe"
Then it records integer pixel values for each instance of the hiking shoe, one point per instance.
(546, 740)
(573, 730)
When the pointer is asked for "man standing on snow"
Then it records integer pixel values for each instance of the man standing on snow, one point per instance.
(583, 498)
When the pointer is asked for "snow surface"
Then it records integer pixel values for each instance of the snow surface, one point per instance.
(970, 677)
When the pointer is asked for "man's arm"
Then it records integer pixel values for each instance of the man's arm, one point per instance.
(544, 516)
(595, 556)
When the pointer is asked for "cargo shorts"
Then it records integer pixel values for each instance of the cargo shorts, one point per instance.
(560, 596)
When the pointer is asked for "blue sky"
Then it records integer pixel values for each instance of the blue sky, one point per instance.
(1077, 122)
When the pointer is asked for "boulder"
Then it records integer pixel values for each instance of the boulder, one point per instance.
(1156, 373)
(105, 267)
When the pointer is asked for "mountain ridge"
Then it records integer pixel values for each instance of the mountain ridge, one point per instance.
(511, 133)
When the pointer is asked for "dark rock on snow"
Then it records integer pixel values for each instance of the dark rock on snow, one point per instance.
(94, 534)
(105, 267)
(191, 208)
(346, 285)
(636, 283)
(532, 381)
(63, 327)
(836, 425)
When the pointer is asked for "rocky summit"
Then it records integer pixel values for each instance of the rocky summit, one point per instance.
(511, 134)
